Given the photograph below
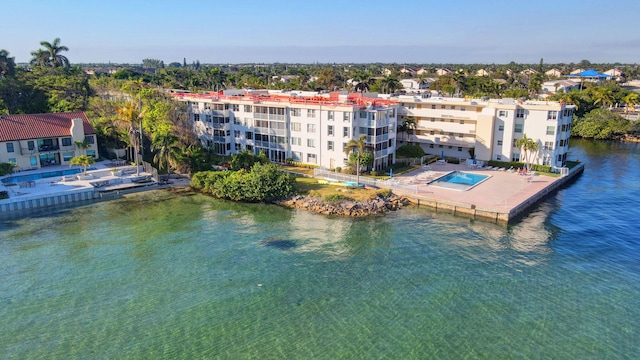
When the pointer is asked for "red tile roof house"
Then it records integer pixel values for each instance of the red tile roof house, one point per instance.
(33, 141)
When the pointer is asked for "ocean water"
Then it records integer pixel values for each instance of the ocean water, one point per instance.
(161, 276)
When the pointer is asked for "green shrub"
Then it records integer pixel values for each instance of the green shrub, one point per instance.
(384, 193)
(373, 173)
(263, 183)
(4, 195)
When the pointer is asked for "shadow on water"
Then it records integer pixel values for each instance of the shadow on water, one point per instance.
(279, 243)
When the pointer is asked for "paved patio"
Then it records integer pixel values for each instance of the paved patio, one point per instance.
(500, 193)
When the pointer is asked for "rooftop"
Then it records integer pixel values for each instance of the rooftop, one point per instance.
(35, 126)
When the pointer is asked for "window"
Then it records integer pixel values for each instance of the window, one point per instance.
(330, 145)
(345, 131)
(502, 113)
(247, 108)
(330, 115)
(236, 133)
(518, 128)
(66, 142)
(31, 145)
(10, 148)
(330, 130)
(433, 119)
(311, 158)
(67, 156)
(433, 106)
(363, 115)
(235, 107)
(196, 117)
(500, 127)
(551, 130)
(462, 108)
(459, 148)
(311, 143)
(450, 134)
(520, 113)
(295, 126)
(498, 157)
(296, 112)
(453, 107)
(516, 157)
(460, 135)
(552, 115)
(346, 116)
(311, 113)
(238, 147)
(462, 122)
(248, 135)
(311, 128)
(443, 106)
(548, 145)
(296, 141)
(499, 142)
(13, 160)
(431, 146)
(296, 155)
(91, 153)
(432, 132)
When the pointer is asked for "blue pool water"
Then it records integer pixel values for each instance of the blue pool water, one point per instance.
(20, 178)
(459, 180)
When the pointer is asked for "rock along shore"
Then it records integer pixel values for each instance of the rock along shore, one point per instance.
(349, 208)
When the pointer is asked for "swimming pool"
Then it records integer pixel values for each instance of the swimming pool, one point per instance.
(459, 180)
(20, 178)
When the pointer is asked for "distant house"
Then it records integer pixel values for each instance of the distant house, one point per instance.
(408, 71)
(33, 141)
(589, 75)
(422, 71)
(386, 72)
(483, 72)
(615, 73)
(444, 71)
(418, 85)
(555, 86)
(528, 72)
(553, 73)
(576, 71)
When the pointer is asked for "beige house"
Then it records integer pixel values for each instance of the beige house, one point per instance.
(33, 141)
(553, 73)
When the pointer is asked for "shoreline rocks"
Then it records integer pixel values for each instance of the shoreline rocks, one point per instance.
(348, 208)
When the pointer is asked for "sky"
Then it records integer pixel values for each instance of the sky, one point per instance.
(327, 31)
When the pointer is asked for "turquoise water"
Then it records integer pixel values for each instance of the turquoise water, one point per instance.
(44, 175)
(459, 180)
(157, 275)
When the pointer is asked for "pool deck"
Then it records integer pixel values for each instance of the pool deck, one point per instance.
(501, 198)
(70, 188)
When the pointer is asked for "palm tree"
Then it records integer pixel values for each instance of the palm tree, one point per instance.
(459, 78)
(167, 151)
(53, 50)
(602, 95)
(82, 145)
(357, 146)
(528, 146)
(390, 84)
(7, 64)
(40, 58)
(129, 115)
(82, 160)
(630, 100)
(408, 126)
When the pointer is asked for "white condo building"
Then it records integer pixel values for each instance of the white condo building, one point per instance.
(314, 128)
(306, 127)
(453, 126)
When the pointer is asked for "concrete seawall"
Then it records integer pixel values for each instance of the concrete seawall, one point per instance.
(47, 201)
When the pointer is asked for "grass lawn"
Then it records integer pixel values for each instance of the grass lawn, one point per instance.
(311, 187)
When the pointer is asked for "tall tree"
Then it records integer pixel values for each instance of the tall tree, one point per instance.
(167, 151)
(631, 100)
(40, 58)
(131, 115)
(7, 64)
(528, 147)
(357, 146)
(53, 50)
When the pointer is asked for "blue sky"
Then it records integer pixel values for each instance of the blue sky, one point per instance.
(327, 31)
